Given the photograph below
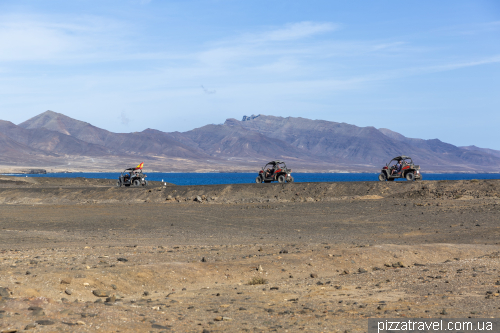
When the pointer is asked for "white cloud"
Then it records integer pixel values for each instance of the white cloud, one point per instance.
(293, 31)
(35, 38)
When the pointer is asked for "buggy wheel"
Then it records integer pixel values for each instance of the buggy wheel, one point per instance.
(281, 179)
(382, 177)
(119, 184)
(290, 179)
(258, 180)
(145, 183)
(137, 182)
(410, 176)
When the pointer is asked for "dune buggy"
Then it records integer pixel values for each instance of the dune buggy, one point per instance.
(132, 177)
(274, 171)
(407, 170)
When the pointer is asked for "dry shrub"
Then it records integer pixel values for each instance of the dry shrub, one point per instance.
(257, 280)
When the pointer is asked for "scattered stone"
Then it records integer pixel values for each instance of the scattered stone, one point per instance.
(88, 315)
(122, 259)
(66, 281)
(260, 269)
(146, 293)
(314, 275)
(29, 326)
(4, 292)
(283, 251)
(68, 292)
(34, 308)
(101, 293)
(203, 259)
(362, 270)
(111, 299)
(45, 322)
(274, 288)
(161, 327)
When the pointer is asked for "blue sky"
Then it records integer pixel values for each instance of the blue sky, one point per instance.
(426, 69)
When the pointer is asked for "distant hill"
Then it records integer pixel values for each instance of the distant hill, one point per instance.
(341, 143)
(148, 142)
(483, 150)
(307, 145)
(47, 141)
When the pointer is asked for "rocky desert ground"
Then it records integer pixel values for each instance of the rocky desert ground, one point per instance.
(81, 255)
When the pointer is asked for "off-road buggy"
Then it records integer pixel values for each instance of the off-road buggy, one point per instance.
(132, 177)
(274, 171)
(408, 170)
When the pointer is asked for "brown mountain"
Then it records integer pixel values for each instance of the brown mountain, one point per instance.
(148, 142)
(58, 122)
(13, 151)
(47, 141)
(306, 144)
(484, 150)
(237, 142)
(341, 143)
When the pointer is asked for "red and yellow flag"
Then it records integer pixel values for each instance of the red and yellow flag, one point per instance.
(139, 166)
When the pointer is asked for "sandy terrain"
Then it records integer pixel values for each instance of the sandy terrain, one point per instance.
(81, 255)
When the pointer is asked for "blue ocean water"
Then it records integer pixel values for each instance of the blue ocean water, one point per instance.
(242, 178)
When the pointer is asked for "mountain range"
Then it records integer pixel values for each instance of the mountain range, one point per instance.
(54, 141)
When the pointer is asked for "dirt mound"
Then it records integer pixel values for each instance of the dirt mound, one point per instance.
(311, 192)
(45, 190)
(11, 181)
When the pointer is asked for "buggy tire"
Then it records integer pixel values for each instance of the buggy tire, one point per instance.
(137, 182)
(145, 183)
(281, 179)
(382, 177)
(290, 179)
(118, 184)
(410, 176)
(258, 180)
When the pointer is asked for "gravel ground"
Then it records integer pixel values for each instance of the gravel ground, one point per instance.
(320, 257)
